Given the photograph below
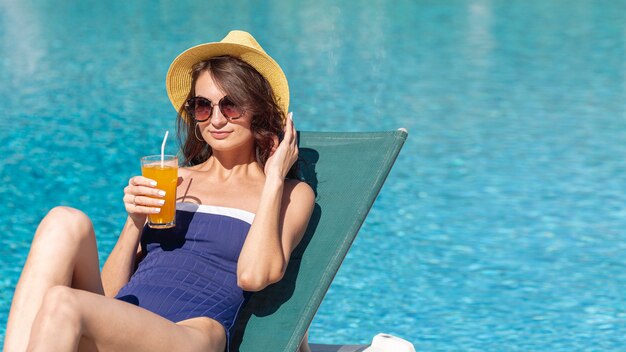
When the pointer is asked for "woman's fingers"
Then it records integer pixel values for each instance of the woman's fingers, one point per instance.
(289, 136)
(289, 128)
(144, 191)
(142, 200)
(141, 205)
(141, 181)
(275, 144)
(138, 209)
(141, 196)
(293, 126)
(286, 154)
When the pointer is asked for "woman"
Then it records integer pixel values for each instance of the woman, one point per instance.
(238, 220)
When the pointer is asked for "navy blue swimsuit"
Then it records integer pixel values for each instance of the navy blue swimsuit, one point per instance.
(191, 270)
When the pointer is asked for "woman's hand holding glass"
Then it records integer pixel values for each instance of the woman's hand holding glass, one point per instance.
(141, 198)
(285, 154)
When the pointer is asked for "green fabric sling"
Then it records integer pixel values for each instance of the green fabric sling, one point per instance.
(346, 170)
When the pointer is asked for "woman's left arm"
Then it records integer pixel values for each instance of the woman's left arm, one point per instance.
(282, 216)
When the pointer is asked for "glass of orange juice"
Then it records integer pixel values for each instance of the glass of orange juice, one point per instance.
(164, 170)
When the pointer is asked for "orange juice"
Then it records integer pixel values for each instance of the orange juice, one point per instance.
(166, 177)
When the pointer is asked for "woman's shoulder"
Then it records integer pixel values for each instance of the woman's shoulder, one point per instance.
(300, 190)
(298, 202)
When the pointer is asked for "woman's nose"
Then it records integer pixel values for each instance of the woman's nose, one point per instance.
(218, 120)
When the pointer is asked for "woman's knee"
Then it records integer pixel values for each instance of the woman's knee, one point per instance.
(64, 224)
(60, 305)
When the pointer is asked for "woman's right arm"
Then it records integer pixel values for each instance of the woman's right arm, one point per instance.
(139, 200)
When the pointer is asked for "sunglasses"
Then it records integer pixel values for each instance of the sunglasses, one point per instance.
(201, 109)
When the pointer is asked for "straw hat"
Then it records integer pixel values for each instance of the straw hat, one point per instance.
(238, 44)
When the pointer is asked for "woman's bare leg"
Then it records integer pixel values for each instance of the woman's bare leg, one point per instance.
(304, 345)
(67, 315)
(63, 252)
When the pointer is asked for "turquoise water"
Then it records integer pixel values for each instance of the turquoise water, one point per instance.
(501, 226)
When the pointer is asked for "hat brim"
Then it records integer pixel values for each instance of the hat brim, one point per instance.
(178, 79)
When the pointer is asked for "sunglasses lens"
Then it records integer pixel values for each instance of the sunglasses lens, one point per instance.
(200, 108)
(229, 109)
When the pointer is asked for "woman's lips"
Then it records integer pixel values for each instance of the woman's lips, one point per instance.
(219, 134)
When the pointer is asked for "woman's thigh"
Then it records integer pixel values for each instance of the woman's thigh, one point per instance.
(113, 325)
(64, 251)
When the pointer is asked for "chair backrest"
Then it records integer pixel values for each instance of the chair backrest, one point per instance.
(346, 170)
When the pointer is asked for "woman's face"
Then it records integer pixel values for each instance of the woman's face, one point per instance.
(220, 133)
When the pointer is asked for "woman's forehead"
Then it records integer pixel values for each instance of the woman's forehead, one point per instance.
(207, 87)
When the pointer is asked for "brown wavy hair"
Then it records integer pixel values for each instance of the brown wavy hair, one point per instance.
(245, 87)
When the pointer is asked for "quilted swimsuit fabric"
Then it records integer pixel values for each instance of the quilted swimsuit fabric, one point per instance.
(191, 270)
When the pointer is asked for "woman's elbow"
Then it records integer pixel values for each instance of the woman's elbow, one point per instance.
(253, 282)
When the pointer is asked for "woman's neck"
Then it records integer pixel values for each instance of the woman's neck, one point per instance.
(225, 165)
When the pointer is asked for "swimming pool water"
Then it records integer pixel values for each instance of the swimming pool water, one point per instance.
(501, 226)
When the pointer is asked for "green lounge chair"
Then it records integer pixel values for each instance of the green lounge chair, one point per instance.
(346, 170)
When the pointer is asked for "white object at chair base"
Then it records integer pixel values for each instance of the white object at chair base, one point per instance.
(389, 343)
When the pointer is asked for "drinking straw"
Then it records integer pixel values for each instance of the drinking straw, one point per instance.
(163, 148)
